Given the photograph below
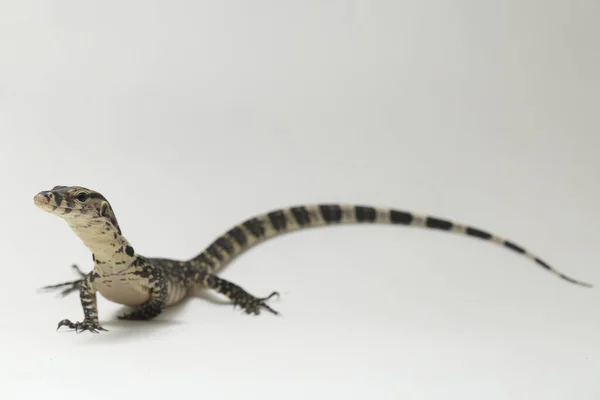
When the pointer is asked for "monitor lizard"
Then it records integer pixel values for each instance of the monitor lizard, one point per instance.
(148, 285)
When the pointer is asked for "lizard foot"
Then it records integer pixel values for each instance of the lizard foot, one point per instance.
(133, 316)
(253, 305)
(143, 313)
(86, 325)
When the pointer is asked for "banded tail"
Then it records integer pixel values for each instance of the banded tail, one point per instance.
(265, 226)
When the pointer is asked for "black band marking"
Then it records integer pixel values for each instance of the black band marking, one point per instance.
(214, 252)
(256, 227)
(436, 223)
(478, 233)
(401, 217)
(542, 263)
(331, 213)
(514, 247)
(365, 214)
(277, 219)
(225, 244)
(300, 215)
(238, 235)
(58, 198)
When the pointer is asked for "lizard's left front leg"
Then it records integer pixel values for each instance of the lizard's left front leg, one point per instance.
(157, 285)
(87, 295)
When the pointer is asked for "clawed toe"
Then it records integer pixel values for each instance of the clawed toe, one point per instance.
(272, 311)
(81, 326)
(78, 270)
(69, 287)
(269, 296)
(254, 305)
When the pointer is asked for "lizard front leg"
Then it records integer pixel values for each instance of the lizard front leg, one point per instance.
(87, 295)
(155, 282)
(239, 297)
(71, 286)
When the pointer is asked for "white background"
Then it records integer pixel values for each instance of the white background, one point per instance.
(191, 116)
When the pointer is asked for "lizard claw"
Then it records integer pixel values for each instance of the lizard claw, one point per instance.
(269, 296)
(86, 325)
(78, 270)
(254, 305)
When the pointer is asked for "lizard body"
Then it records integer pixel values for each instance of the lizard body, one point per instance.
(150, 284)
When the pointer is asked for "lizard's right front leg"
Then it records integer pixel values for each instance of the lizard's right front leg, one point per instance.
(87, 295)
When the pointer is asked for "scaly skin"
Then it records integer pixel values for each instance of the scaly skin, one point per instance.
(151, 284)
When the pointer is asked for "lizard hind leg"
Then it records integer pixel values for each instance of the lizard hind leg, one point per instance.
(249, 303)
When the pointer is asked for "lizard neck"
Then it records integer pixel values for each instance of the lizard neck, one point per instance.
(112, 253)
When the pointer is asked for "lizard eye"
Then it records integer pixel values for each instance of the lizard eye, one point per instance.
(82, 197)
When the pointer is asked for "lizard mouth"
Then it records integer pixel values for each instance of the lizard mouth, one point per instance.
(43, 201)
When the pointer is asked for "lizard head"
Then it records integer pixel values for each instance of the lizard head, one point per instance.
(76, 203)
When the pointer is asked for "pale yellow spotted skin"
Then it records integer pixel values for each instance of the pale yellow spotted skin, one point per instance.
(151, 284)
(129, 292)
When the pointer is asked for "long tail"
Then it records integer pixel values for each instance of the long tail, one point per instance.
(261, 227)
